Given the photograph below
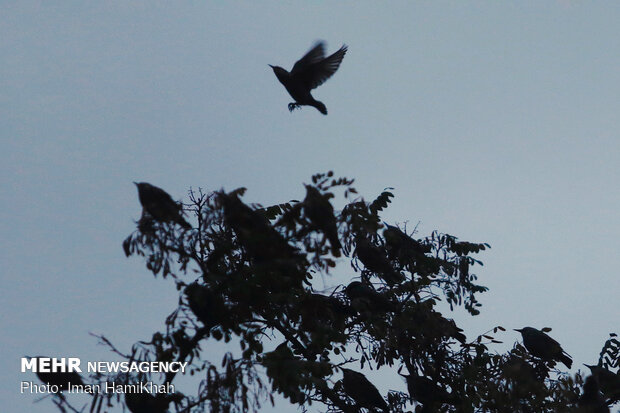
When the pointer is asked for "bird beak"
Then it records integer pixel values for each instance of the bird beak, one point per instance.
(518, 329)
(271, 66)
(135, 183)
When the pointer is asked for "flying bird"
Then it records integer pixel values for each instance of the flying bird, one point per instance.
(309, 72)
(539, 344)
(160, 205)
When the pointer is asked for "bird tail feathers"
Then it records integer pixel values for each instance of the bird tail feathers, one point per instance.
(320, 107)
(184, 223)
(566, 360)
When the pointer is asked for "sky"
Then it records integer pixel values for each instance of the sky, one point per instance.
(493, 121)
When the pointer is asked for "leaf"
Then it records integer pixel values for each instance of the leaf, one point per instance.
(127, 246)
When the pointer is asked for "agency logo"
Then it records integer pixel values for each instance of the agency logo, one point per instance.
(61, 375)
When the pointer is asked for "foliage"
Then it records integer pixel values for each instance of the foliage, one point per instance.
(253, 277)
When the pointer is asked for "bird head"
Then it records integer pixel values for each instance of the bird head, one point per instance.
(312, 192)
(354, 285)
(279, 72)
(594, 369)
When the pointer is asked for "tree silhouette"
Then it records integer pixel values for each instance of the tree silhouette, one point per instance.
(264, 280)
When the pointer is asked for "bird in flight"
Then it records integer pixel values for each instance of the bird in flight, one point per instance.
(309, 72)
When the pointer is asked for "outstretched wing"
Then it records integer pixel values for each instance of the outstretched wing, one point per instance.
(317, 73)
(314, 55)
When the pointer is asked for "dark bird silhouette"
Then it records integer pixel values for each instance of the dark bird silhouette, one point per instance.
(592, 401)
(363, 296)
(539, 344)
(160, 205)
(279, 265)
(401, 246)
(449, 329)
(206, 305)
(320, 212)
(608, 381)
(375, 260)
(323, 307)
(362, 390)
(425, 391)
(254, 231)
(309, 72)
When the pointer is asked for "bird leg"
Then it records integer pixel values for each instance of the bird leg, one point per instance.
(292, 106)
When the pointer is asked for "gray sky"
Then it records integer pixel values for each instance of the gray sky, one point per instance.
(494, 121)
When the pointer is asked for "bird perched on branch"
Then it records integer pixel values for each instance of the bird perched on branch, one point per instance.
(309, 72)
(208, 306)
(362, 390)
(592, 401)
(160, 205)
(364, 297)
(254, 230)
(375, 260)
(427, 392)
(539, 344)
(608, 381)
(320, 212)
(401, 246)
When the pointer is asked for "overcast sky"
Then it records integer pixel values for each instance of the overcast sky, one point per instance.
(494, 121)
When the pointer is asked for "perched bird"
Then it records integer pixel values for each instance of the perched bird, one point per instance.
(208, 306)
(592, 401)
(427, 392)
(363, 296)
(309, 72)
(401, 246)
(160, 205)
(362, 391)
(539, 344)
(323, 307)
(254, 231)
(608, 381)
(449, 328)
(320, 212)
(285, 371)
(375, 260)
